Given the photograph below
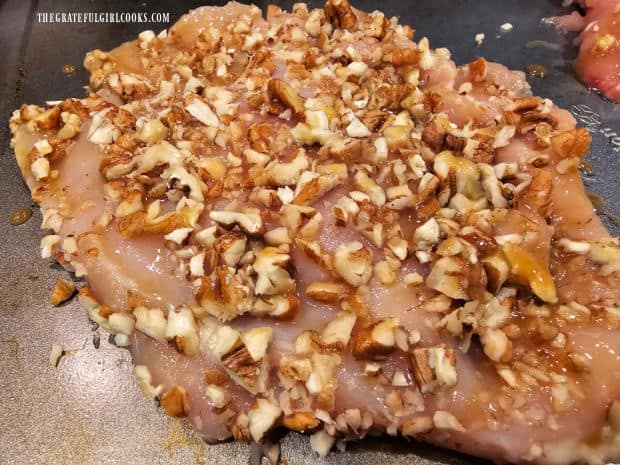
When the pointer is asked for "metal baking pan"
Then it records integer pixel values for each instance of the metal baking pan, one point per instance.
(88, 410)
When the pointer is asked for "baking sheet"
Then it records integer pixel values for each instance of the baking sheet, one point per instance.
(88, 410)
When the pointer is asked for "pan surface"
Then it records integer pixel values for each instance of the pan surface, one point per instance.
(88, 410)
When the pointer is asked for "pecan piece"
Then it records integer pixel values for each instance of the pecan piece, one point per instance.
(534, 117)
(525, 104)
(300, 421)
(240, 362)
(286, 94)
(340, 14)
(455, 143)
(405, 56)
(537, 196)
(175, 402)
(478, 70)
(260, 136)
(374, 119)
(572, 143)
(388, 96)
(62, 292)
(434, 137)
(434, 368)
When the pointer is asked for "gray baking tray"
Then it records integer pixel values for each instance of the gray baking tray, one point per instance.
(88, 410)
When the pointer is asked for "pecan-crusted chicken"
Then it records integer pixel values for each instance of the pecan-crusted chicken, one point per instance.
(312, 221)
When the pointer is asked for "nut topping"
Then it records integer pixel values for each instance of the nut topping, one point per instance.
(434, 368)
(63, 291)
(352, 261)
(286, 94)
(375, 341)
(175, 402)
(243, 355)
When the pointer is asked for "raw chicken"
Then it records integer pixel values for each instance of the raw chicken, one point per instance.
(598, 62)
(311, 221)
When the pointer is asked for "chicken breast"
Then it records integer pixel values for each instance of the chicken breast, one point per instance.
(598, 62)
(311, 221)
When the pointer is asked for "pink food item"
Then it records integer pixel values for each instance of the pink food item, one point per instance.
(311, 221)
(598, 62)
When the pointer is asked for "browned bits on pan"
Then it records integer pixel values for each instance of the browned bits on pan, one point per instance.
(340, 14)
(286, 94)
(586, 168)
(175, 402)
(63, 290)
(478, 70)
(20, 216)
(68, 69)
(572, 143)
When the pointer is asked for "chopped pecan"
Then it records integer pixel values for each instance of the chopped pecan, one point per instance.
(260, 136)
(434, 136)
(483, 153)
(340, 14)
(572, 143)
(215, 376)
(175, 402)
(434, 368)
(262, 59)
(63, 291)
(450, 276)
(300, 421)
(376, 341)
(426, 208)
(537, 195)
(455, 143)
(478, 70)
(374, 119)
(525, 104)
(533, 117)
(283, 91)
(388, 96)
(432, 101)
(242, 364)
(49, 119)
(405, 56)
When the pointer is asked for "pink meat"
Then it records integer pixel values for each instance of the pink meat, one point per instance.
(598, 62)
